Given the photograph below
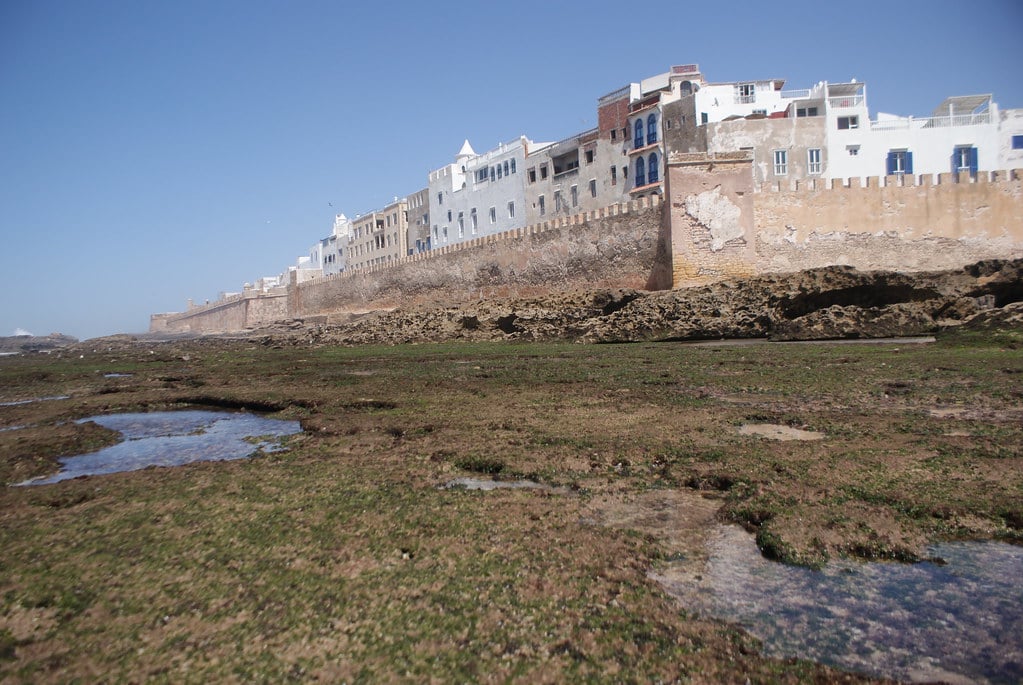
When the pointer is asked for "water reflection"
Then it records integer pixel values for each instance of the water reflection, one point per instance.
(959, 622)
(174, 438)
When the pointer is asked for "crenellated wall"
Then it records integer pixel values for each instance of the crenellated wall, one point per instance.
(902, 223)
(715, 224)
(722, 226)
(616, 246)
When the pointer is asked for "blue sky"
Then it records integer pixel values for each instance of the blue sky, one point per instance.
(152, 152)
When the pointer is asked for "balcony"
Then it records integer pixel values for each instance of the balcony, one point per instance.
(845, 101)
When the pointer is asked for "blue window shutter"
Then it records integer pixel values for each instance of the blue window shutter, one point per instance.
(909, 162)
(640, 172)
(638, 142)
(891, 163)
(652, 168)
(973, 161)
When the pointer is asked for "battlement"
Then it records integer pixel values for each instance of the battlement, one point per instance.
(1011, 176)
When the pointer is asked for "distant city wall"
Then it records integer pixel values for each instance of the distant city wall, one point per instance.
(233, 313)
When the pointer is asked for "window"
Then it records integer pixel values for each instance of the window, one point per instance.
(531, 174)
(651, 168)
(473, 222)
(651, 129)
(640, 172)
(575, 195)
(806, 112)
(513, 166)
(845, 123)
(499, 171)
(964, 158)
(625, 173)
(637, 139)
(781, 162)
(506, 168)
(853, 150)
(614, 134)
(593, 187)
(461, 225)
(543, 208)
(813, 160)
(449, 216)
(900, 162)
(440, 198)
(1017, 142)
(745, 93)
(493, 175)
(589, 156)
(557, 201)
(614, 175)
(511, 210)
(543, 171)
(493, 215)
(703, 117)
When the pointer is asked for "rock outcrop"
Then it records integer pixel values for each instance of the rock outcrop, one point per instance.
(827, 303)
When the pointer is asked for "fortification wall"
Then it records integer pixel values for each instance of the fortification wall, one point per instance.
(233, 313)
(911, 223)
(618, 246)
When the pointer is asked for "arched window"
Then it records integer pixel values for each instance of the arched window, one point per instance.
(651, 129)
(638, 138)
(651, 167)
(640, 169)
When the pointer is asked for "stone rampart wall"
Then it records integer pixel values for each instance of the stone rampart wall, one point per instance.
(910, 223)
(233, 313)
(616, 246)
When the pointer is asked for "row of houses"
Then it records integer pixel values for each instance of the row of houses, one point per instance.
(824, 132)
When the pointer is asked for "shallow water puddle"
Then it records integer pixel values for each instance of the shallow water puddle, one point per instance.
(483, 484)
(173, 438)
(34, 399)
(961, 622)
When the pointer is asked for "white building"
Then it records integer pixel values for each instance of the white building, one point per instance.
(478, 195)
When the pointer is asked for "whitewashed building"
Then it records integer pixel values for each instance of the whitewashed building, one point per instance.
(479, 194)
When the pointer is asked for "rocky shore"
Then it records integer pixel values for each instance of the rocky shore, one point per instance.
(820, 304)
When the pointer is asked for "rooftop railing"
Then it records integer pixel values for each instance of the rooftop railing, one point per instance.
(931, 122)
(795, 94)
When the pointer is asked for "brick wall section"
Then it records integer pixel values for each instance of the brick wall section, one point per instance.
(893, 223)
(618, 246)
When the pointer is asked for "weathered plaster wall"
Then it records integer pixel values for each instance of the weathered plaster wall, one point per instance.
(711, 210)
(888, 225)
(615, 247)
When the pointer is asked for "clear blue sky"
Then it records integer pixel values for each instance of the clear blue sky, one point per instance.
(155, 151)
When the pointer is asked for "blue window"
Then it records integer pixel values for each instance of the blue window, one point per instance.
(964, 158)
(513, 166)
(651, 167)
(1017, 142)
(640, 169)
(651, 129)
(900, 162)
(638, 138)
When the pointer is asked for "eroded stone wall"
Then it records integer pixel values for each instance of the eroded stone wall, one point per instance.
(894, 223)
(619, 246)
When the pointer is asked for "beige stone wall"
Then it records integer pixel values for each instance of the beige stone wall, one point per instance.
(234, 313)
(613, 247)
(907, 224)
